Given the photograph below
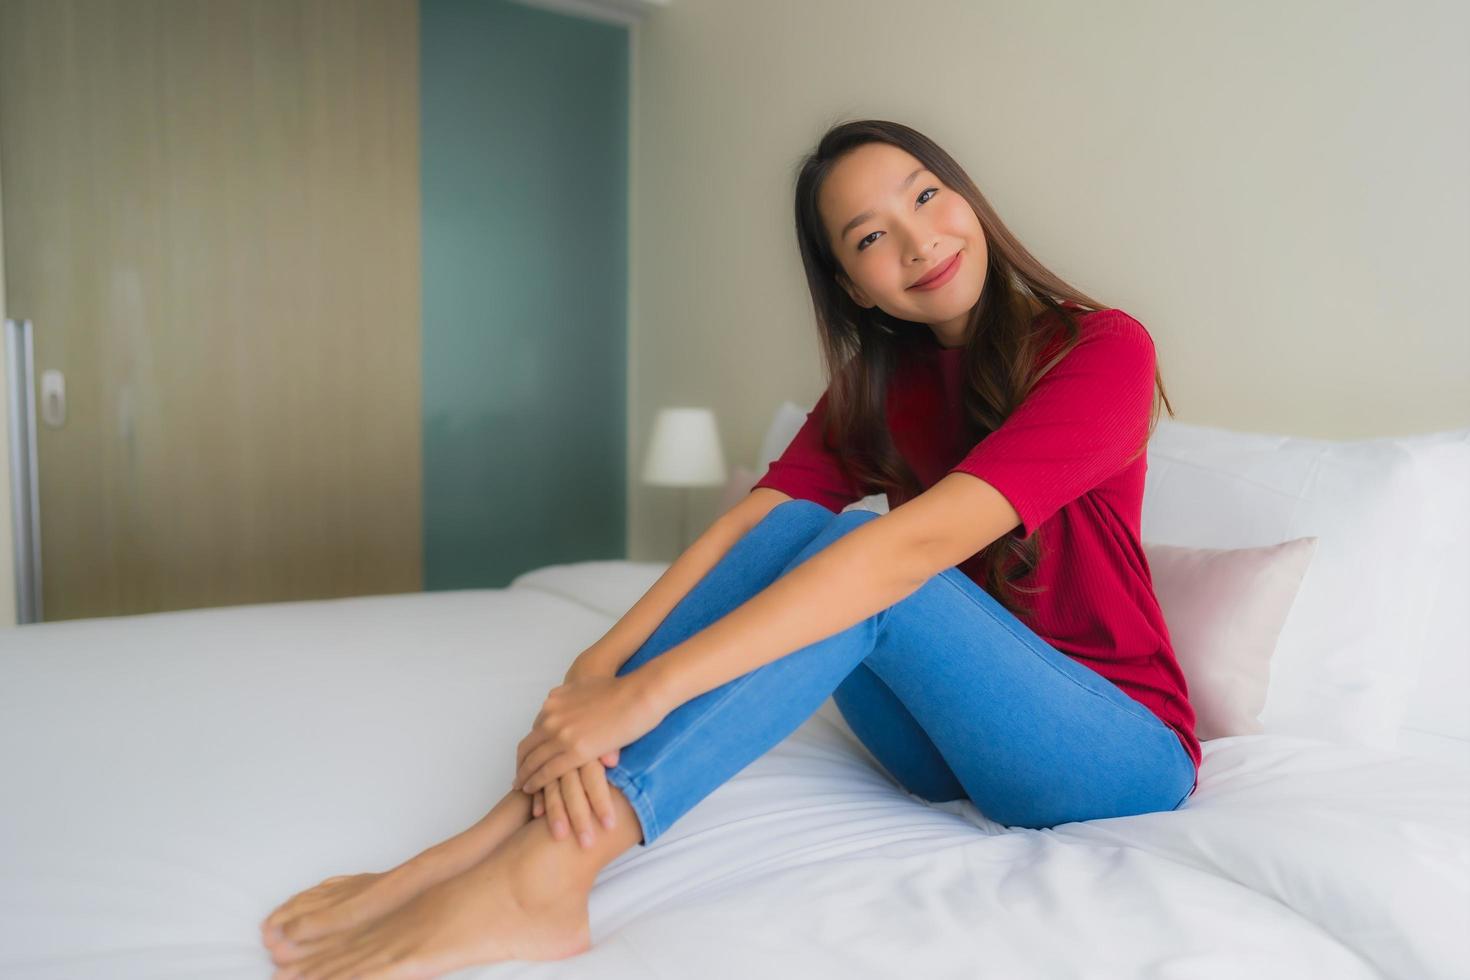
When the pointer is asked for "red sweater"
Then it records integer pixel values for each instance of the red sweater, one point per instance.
(1065, 459)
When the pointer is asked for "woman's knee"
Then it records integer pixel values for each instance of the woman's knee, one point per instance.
(829, 529)
(799, 513)
(847, 521)
(799, 505)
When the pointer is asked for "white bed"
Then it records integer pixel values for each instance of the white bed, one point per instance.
(170, 778)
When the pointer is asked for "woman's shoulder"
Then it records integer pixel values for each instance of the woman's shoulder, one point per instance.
(1108, 340)
(1107, 321)
(1113, 331)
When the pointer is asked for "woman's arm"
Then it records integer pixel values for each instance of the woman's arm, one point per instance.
(864, 571)
(860, 573)
(638, 623)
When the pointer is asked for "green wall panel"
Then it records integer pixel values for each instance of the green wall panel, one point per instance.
(524, 166)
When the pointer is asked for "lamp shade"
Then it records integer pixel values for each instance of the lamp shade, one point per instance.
(684, 450)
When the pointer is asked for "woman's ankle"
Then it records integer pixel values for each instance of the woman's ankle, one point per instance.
(469, 845)
(544, 870)
(558, 867)
(511, 813)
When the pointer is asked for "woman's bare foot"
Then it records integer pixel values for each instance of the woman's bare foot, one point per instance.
(303, 923)
(526, 901)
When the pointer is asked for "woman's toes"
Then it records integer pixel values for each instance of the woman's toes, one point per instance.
(287, 952)
(333, 893)
(313, 925)
(271, 927)
(321, 963)
(290, 911)
(274, 930)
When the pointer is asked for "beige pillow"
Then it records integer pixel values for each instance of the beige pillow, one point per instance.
(1225, 608)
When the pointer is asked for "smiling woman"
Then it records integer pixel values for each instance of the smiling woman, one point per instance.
(954, 355)
(997, 408)
(923, 261)
(931, 225)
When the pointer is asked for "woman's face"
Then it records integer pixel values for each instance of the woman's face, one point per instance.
(909, 226)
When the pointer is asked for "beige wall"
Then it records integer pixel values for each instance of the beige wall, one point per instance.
(1276, 190)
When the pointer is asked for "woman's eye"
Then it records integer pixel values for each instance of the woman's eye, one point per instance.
(921, 200)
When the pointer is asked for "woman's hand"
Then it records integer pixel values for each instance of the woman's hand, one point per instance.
(578, 800)
(586, 716)
(575, 797)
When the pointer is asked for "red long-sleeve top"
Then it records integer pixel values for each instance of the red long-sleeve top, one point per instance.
(1070, 460)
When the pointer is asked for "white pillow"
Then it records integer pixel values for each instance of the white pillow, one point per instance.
(1437, 722)
(1386, 593)
(1350, 652)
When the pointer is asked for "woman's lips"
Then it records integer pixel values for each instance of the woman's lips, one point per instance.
(945, 274)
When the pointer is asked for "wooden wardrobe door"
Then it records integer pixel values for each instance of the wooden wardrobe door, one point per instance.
(212, 220)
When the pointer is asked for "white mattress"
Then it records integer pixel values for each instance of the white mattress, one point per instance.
(171, 778)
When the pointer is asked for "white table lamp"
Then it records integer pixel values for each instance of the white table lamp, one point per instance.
(684, 451)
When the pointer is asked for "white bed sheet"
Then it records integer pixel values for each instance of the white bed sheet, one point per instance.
(170, 778)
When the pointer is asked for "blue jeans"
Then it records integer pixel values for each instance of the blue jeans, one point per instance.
(952, 694)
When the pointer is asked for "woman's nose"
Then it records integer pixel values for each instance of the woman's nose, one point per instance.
(921, 248)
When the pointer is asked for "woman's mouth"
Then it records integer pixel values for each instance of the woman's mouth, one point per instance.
(941, 275)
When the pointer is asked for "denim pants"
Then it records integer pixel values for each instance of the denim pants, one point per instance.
(952, 694)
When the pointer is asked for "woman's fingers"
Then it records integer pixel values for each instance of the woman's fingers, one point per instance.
(578, 810)
(556, 812)
(594, 782)
(523, 749)
(533, 738)
(578, 800)
(536, 764)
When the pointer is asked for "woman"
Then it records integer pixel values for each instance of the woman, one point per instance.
(994, 637)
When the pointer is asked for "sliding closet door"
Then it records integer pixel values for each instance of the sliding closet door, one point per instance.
(525, 205)
(212, 220)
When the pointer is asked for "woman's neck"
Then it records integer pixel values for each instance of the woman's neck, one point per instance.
(1034, 307)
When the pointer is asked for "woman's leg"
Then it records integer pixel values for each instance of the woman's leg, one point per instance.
(894, 737)
(1031, 736)
(546, 873)
(745, 569)
(786, 534)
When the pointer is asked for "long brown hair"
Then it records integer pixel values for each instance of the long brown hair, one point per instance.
(862, 347)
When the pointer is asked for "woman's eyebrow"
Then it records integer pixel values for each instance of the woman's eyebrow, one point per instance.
(868, 214)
